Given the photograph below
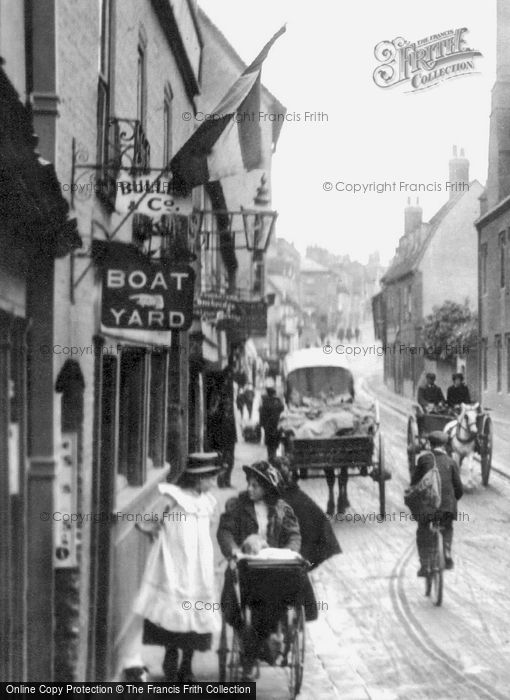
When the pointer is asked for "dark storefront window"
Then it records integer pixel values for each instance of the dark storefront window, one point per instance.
(158, 410)
(133, 416)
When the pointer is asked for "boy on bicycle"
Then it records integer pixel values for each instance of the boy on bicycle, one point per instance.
(451, 491)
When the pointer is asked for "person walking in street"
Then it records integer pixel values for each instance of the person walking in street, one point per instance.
(348, 335)
(270, 411)
(256, 518)
(180, 569)
(341, 334)
(318, 541)
(225, 437)
(451, 492)
(357, 334)
(249, 395)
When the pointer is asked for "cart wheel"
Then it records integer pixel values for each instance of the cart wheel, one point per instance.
(382, 479)
(296, 632)
(412, 442)
(486, 450)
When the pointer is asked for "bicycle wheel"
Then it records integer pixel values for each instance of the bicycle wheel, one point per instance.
(437, 567)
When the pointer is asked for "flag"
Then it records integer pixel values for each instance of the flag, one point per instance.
(230, 142)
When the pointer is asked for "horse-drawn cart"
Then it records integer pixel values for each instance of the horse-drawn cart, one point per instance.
(420, 424)
(328, 432)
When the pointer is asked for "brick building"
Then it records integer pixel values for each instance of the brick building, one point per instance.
(415, 282)
(494, 236)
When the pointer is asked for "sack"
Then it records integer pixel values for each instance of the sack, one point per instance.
(424, 498)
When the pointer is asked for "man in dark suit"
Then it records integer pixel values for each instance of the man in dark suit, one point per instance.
(457, 393)
(430, 393)
(451, 491)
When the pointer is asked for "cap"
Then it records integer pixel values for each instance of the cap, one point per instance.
(437, 437)
(202, 463)
(266, 472)
(458, 375)
(430, 375)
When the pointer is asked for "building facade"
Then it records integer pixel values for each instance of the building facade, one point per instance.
(414, 284)
(493, 227)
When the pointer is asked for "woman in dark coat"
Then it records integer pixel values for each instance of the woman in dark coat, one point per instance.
(257, 511)
(318, 541)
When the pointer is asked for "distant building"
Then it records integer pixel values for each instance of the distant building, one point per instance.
(418, 280)
(494, 236)
(319, 302)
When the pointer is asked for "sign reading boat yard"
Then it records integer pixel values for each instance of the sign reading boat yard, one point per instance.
(143, 294)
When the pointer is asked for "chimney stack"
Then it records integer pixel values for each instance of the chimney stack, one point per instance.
(413, 216)
(458, 172)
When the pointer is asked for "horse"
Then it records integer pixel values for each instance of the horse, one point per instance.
(463, 433)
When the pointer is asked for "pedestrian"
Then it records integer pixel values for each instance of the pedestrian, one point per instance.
(226, 431)
(348, 334)
(341, 334)
(180, 570)
(270, 411)
(318, 541)
(357, 334)
(451, 491)
(261, 512)
(249, 395)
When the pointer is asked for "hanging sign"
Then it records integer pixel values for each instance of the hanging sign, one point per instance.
(158, 199)
(143, 294)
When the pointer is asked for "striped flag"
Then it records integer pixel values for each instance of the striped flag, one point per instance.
(231, 142)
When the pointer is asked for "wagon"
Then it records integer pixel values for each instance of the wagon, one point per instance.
(342, 455)
(420, 424)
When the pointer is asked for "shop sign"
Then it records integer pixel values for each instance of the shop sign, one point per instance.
(142, 294)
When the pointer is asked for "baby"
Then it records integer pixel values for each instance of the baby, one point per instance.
(253, 544)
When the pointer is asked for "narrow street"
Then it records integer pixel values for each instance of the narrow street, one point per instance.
(377, 635)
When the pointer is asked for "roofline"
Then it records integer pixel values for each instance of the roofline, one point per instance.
(489, 216)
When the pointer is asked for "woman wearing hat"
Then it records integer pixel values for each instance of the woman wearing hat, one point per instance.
(257, 511)
(180, 570)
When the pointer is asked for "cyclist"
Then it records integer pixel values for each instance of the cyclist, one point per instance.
(451, 491)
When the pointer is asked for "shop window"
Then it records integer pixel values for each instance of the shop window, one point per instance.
(158, 407)
(133, 415)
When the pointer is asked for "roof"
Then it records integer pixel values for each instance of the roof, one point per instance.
(401, 267)
(309, 265)
(313, 357)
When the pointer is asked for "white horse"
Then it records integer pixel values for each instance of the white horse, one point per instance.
(463, 433)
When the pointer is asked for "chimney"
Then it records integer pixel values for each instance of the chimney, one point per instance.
(498, 178)
(412, 217)
(459, 173)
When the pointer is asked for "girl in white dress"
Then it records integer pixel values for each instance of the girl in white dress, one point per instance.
(177, 592)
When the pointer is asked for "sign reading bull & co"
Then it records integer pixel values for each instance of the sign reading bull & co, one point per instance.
(143, 294)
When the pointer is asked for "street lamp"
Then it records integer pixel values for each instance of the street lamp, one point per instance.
(259, 222)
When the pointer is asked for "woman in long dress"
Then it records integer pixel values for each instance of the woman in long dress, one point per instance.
(176, 597)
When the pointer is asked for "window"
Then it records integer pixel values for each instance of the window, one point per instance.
(483, 267)
(133, 416)
(167, 126)
(141, 87)
(499, 364)
(502, 259)
(484, 363)
(104, 83)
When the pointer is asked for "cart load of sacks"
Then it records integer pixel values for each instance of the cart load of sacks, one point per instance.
(330, 418)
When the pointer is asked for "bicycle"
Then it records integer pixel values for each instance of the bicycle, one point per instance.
(435, 566)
